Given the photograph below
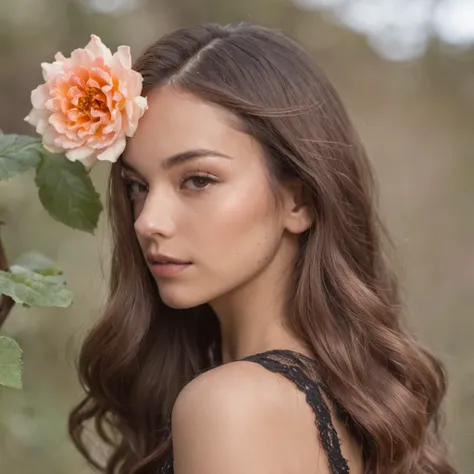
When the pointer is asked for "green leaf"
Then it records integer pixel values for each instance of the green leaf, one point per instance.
(10, 363)
(38, 263)
(67, 193)
(29, 288)
(18, 153)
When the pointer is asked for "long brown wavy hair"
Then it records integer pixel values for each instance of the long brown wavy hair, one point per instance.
(344, 300)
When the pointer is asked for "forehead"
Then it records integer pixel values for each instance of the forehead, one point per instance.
(177, 121)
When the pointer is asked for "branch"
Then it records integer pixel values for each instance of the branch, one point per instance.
(6, 303)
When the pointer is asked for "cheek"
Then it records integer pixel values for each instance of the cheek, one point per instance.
(242, 226)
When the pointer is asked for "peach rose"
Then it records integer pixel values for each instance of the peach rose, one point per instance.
(89, 103)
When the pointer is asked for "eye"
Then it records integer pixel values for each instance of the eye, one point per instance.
(198, 181)
(135, 189)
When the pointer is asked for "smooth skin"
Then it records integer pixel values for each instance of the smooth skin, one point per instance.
(201, 193)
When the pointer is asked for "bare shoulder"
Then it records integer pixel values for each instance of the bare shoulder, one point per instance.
(240, 416)
(236, 382)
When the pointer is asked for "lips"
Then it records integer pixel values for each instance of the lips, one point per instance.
(165, 266)
(159, 258)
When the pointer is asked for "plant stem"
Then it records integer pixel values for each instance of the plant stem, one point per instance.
(6, 303)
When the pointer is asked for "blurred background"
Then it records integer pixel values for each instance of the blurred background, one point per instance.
(405, 70)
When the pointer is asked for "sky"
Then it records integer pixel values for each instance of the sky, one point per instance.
(399, 29)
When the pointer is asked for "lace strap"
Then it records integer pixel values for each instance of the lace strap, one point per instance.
(288, 364)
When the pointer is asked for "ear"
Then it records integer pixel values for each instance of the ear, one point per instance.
(299, 215)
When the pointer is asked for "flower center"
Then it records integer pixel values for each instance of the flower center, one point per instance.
(91, 101)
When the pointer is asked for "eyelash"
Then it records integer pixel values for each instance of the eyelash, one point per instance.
(208, 179)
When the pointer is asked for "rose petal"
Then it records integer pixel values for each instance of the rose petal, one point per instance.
(65, 106)
(68, 143)
(109, 98)
(103, 77)
(74, 94)
(73, 114)
(57, 121)
(98, 49)
(124, 56)
(87, 161)
(142, 103)
(52, 148)
(133, 84)
(39, 96)
(49, 105)
(113, 152)
(80, 153)
(115, 123)
(51, 69)
(49, 138)
(36, 115)
(59, 57)
(93, 83)
(82, 57)
(139, 106)
(39, 119)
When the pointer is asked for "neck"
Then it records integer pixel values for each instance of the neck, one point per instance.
(252, 317)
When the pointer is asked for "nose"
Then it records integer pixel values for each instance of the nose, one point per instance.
(155, 217)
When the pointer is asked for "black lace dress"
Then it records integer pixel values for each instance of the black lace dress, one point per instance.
(300, 370)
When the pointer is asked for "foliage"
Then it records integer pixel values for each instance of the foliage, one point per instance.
(68, 195)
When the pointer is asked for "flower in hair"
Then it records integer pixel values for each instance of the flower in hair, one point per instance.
(89, 103)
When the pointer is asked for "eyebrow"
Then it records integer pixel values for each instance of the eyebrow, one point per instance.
(183, 157)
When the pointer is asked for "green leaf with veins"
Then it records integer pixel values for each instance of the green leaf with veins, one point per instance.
(67, 193)
(18, 153)
(10, 363)
(29, 288)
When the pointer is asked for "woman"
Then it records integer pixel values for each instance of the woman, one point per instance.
(252, 324)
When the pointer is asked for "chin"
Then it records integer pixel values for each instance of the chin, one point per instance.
(179, 299)
(185, 296)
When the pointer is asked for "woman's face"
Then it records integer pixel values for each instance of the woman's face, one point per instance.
(204, 212)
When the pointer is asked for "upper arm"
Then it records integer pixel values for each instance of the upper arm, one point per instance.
(241, 419)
